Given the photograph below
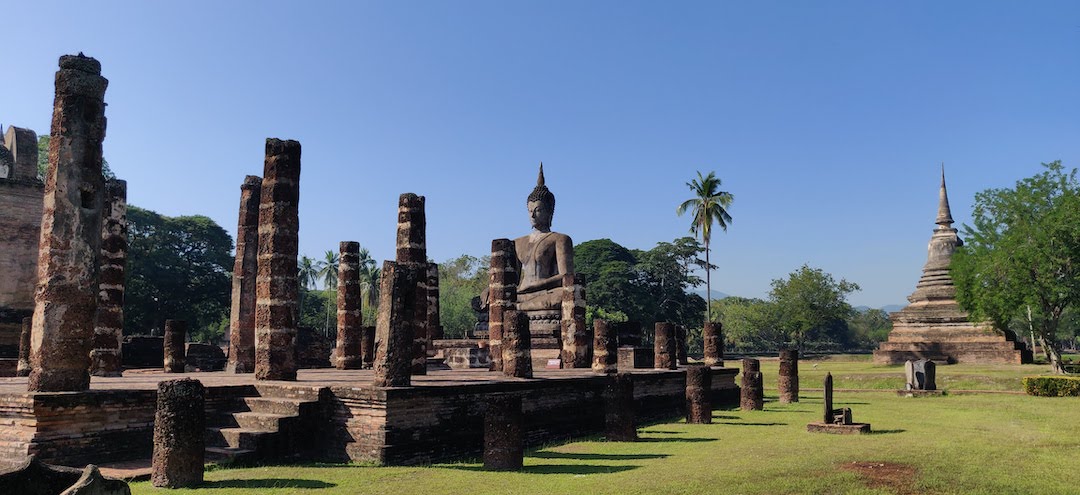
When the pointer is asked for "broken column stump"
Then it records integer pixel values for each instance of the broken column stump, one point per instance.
(65, 301)
(394, 327)
(788, 382)
(516, 345)
(502, 294)
(276, 287)
(713, 337)
(504, 448)
(179, 430)
(664, 346)
(175, 337)
(412, 253)
(836, 420)
(434, 323)
(605, 348)
(575, 335)
(753, 395)
(22, 368)
(367, 346)
(105, 358)
(698, 388)
(619, 409)
(245, 271)
(349, 348)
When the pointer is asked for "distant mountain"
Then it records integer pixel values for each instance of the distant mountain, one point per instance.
(888, 308)
(715, 294)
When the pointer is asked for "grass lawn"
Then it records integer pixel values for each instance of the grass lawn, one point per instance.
(988, 443)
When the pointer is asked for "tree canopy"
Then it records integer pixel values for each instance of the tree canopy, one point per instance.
(813, 305)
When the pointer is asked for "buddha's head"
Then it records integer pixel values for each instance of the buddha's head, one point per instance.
(541, 204)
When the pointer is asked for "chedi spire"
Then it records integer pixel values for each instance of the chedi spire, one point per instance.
(944, 215)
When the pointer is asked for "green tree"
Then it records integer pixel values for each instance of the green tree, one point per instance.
(307, 274)
(369, 278)
(177, 268)
(1022, 255)
(869, 327)
(460, 280)
(328, 271)
(812, 305)
(750, 325)
(708, 206)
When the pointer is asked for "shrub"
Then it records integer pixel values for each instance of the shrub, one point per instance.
(1052, 386)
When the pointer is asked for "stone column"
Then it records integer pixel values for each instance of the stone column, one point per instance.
(682, 347)
(276, 285)
(394, 328)
(105, 357)
(664, 346)
(789, 376)
(349, 348)
(23, 366)
(713, 336)
(752, 396)
(503, 434)
(65, 301)
(575, 335)
(434, 324)
(179, 430)
(245, 270)
(828, 416)
(605, 348)
(367, 347)
(412, 253)
(516, 345)
(698, 388)
(619, 415)
(502, 294)
(175, 337)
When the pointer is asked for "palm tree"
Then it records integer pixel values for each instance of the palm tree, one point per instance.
(307, 272)
(708, 206)
(329, 274)
(369, 277)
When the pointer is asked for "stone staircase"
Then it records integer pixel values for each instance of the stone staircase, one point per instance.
(274, 424)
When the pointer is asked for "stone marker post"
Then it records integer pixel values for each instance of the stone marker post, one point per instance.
(827, 417)
(698, 389)
(605, 348)
(516, 345)
(245, 270)
(179, 430)
(664, 346)
(276, 285)
(394, 327)
(23, 366)
(175, 338)
(65, 301)
(752, 396)
(575, 335)
(789, 376)
(349, 322)
(920, 375)
(713, 336)
(503, 434)
(502, 294)
(412, 253)
(619, 410)
(367, 346)
(105, 356)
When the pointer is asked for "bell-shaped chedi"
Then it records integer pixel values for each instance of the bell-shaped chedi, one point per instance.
(934, 326)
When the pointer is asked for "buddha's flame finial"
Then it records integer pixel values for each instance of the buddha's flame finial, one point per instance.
(540, 178)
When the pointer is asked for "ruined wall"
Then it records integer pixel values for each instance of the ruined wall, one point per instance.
(21, 201)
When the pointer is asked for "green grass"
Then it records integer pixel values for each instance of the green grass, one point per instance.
(989, 443)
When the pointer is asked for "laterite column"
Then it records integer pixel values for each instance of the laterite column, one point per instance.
(105, 357)
(434, 324)
(349, 322)
(367, 346)
(516, 345)
(605, 348)
(713, 336)
(575, 335)
(698, 388)
(503, 434)
(752, 395)
(664, 346)
(502, 294)
(412, 254)
(23, 366)
(394, 327)
(179, 431)
(175, 338)
(245, 270)
(789, 376)
(619, 415)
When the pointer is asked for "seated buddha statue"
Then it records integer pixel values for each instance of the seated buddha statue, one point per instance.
(544, 258)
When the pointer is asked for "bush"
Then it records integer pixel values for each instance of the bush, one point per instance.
(1052, 386)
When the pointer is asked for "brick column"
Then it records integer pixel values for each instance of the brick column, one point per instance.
(752, 394)
(349, 348)
(502, 294)
(682, 347)
(789, 376)
(105, 357)
(65, 301)
(394, 328)
(575, 335)
(503, 434)
(619, 415)
(698, 388)
(664, 346)
(179, 431)
(23, 366)
(412, 253)
(276, 286)
(516, 345)
(175, 338)
(605, 348)
(434, 324)
(713, 336)
(245, 270)
(367, 347)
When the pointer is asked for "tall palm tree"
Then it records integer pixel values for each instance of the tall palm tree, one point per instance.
(307, 273)
(369, 277)
(708, 206)
(329, 274)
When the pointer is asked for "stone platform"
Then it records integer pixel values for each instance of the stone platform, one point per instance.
(339, 415)
(852, 429)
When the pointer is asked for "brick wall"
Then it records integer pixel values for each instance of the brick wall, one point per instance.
(20, 226)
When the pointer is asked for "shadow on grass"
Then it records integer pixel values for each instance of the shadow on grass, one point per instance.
(558, 469)
(268, 483)
(596, 457)
(664, 432)
(721, 416)
(749, 424)
(886, 432)
(686, 440)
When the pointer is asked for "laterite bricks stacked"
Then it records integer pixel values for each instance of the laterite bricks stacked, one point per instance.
(503, 434)
(22, 368)
(788, 382)
(698, 387)
(105, 357)
(605, 348)
(502, 294)
(713, 336)
(752, 395)
(516, 345)
(175, 337)
(179, 430)
(245, 270)
(412, 255)
(664, 346)
(349, 320)
(395, 325)
(619, 410)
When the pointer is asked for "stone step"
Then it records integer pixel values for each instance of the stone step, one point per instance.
(259, 421)
(276, 405)
(237, 438)
(229, 455)
(288, 392)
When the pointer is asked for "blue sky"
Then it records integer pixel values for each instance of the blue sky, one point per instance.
(828, 121)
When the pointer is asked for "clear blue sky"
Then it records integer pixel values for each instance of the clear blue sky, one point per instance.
(826, 120)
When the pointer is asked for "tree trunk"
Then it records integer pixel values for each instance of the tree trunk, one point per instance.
(708, 284)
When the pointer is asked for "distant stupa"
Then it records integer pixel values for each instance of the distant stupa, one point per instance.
(933, 326)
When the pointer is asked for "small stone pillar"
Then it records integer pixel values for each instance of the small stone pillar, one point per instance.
(575, 335)
(23, 366)
(349, 322)
(394, 327)
(920, 375)
(367, 346)
(789, 376)
(434, 324)
(828, 417)
(105, 357)
(175, 337)
(245, 269)
(682, 347)
(605, 348)
(619, 409)
(516, 345)
(412, 253)
(698, 388)
(503, 434)
(502, 294)
(713, 336)
(65, 301)
(276, 286)
(753, 395)
(179, 430)
(664, 346)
